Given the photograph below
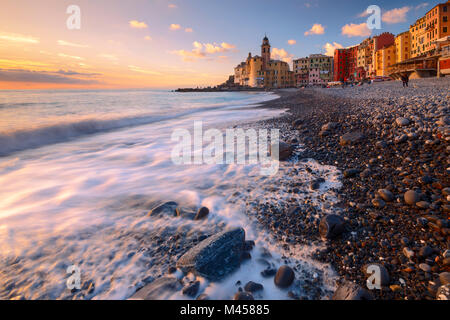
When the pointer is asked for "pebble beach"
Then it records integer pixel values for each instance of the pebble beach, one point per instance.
(391, 145)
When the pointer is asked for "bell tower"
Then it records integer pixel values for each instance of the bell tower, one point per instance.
(265, 51)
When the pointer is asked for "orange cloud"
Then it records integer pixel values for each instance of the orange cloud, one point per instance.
(356, 30)
(329, 48)
(395, 15)
(138, 25)
(188, 30)
(175, 26)
(201, 50)
(281, 54)
(13, 37)
(317, 28)
(292, 42)
(70, 44)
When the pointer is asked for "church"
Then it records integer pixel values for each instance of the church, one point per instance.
(263, 72)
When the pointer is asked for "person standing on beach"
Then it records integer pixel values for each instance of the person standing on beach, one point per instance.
(405, 80)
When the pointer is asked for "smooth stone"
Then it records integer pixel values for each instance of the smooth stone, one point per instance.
(350, 173)
(284, 151)
(158, 289)
(216, 256)
(444, 277)
(386, 195)
(401, 122)
(331, 226)
(351, 291)
(202, 213)
(351, 138)
(284, 277)
(253, 287)
(409, 253)
(424, 267)
(167, 207)
(411, 197)
(425, 252)
(423, 204)
(329, 126)
(243, 296)
(379, 203)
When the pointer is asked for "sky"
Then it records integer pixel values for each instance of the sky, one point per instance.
(174, 43)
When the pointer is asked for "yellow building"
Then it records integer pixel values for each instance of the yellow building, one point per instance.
(402, 47)
(434, 25)
(263, 72)
(384, 58)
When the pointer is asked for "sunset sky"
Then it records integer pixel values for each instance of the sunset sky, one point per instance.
(173, 43)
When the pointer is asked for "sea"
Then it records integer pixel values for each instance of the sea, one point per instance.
(81, 169)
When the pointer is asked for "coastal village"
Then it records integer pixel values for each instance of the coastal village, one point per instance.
(422, 51)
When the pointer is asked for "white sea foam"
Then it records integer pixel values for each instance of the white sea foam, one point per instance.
(85, 202)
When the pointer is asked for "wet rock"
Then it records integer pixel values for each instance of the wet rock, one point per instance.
(315, 185)
(284, 277)
(444, 277)
(350, 173)
(297, 123)
(402, 122)
(191, 289)
(253, 287)
(243, 296)
(331, 226)
(168, 208)
(202, 213)
(158, 289)
(378, 203)
(216, 256)
(409, 253)
(424, 267)
(423, 204)
(268, 272)
(284, 151)
(411, 197)
(425, 252)
(386, 195)
(351, 291)
(351, 138)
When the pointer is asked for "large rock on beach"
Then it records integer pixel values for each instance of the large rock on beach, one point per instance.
(331, 226)
(215, 257)
(158, 289)
(284, 151)
(351, 138)
(202, 213)
(351, 291)
(412, 197)
(402, 122)
(284, 277)
(169, 208)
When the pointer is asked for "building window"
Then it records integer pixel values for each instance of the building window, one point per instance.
(445, 19)
(444, 29)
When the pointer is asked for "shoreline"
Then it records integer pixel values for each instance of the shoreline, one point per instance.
(380, 228)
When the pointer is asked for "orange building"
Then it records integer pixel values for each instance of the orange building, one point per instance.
(433, 26)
